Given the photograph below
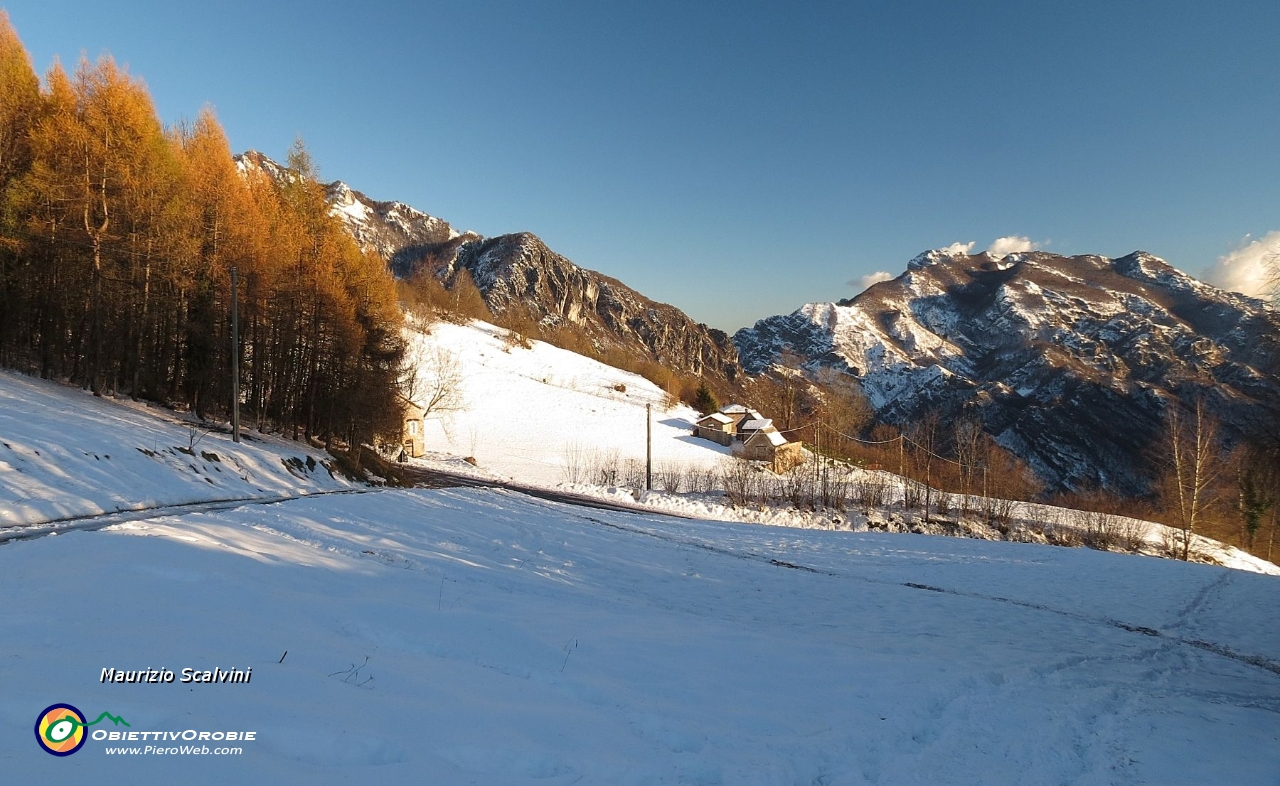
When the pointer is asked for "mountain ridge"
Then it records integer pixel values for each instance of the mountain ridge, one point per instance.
(1068, 361)
(517, 272)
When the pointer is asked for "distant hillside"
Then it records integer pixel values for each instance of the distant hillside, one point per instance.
(518, 273)
(1068, 361)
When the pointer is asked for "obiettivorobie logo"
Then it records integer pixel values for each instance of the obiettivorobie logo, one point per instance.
(61, 731)
(60, 728)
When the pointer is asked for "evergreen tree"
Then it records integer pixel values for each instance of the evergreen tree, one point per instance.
(704, 400)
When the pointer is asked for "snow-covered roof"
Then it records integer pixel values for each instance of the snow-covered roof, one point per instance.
(717, 417)
(775, 438)
(757, 424)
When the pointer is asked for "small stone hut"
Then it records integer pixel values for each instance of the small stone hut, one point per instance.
(411, 433)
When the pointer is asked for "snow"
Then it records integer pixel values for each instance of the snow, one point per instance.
(66, 453)
(775, 438)
(482, 636)
(527, 414)
(516, 641)
(346, 204)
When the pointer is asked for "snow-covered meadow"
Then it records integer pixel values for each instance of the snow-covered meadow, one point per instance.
(529, 414)
(476, 636)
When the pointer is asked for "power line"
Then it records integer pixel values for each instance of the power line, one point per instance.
(900, 437)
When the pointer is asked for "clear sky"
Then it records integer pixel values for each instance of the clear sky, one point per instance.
(740, 159)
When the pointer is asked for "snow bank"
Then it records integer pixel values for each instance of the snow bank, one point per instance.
(66, 453)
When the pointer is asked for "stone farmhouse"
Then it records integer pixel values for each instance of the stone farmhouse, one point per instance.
(751, 436)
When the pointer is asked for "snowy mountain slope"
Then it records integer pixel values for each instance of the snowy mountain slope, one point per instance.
(1067, 361)
(394, 231)
(466, 636)
(519, 273)
(65, 453)
(528, 413)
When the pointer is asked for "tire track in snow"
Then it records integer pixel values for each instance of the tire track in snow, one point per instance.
(96, 521)
(1259, 661)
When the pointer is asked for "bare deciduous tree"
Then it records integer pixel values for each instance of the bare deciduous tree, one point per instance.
(923, 437)
(1192, 464)
(970, 456)
(1257, 483)
(433, 380)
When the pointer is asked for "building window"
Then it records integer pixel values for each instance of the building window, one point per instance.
(413, 427)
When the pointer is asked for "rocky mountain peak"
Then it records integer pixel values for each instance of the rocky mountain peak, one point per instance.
(519, 271)
(1068, 361)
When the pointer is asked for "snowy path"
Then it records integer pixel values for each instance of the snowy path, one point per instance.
(14, 532)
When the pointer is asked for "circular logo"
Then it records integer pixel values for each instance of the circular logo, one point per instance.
(60, 729)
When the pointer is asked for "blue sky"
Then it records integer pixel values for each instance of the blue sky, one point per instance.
(785, 149)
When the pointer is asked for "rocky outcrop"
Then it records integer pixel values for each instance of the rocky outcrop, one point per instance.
(519, 272)
(398, 233)
(402, 235)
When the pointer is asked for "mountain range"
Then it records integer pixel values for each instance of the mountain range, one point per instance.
(1069, 362)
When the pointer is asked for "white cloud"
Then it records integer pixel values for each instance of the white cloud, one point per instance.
(1249, 269)
(959, 248)
(865, 282)
(1013, 244)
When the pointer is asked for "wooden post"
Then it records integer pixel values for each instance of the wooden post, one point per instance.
(648, 447)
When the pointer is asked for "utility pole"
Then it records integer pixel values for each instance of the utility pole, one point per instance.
(648, 447)
(235, 356)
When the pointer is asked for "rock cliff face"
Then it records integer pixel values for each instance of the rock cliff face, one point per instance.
(396, 232)
(519, 272)
(1069, 362)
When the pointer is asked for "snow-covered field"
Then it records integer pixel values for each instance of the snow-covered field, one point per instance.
(65, 453)
(472, 636)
